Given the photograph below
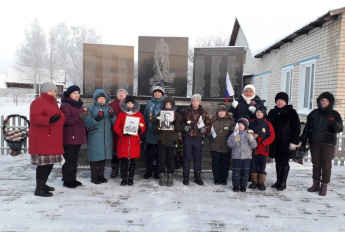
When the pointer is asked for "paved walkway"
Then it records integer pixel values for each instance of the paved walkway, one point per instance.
(148, 207)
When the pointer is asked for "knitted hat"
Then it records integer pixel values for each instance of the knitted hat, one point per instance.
(249, 87)
(101, 95)
(48, 86)
(222, 107)
(169, 99)
(123, 90)
(329, 96)
(262, 109)
(282, 96)
(71, 89)
(158, 86)
(196, 95)
(244, 121)
(130, 99)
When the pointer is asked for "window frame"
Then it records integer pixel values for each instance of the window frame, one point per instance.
(302, 87)
(285, 71)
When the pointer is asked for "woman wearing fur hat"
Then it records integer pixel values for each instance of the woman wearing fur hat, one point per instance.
(46, 136)
(195, 124)
(73, 134)
(246, 104)
(99, 124)
(120, 96)
(242, 144)
(223, 124)
(287, 127)
(320, 131)
(167, 140)
(128, 147)
(264, 134)
(152, 109)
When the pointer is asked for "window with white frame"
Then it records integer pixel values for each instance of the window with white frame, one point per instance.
(286, 81)
(306, 86)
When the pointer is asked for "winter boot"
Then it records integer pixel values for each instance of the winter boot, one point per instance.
(315, 187)
(254, 180)
(323, 189)
(285, 174)
(94, 173)
(40, 189)
(101, 168)
(170, 181)
(243, 189)
(131, 174)
(148, 174)
(186, 178)
(48, 188)
(279, 176)
(162, 181)
(69, 184)
(114, 171)
(124, 171)
(236, 189)
(261, 182)
(197, 178)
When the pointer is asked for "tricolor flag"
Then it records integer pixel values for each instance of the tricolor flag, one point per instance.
(229, 90)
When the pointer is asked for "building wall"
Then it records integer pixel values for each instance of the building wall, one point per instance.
(326, 43)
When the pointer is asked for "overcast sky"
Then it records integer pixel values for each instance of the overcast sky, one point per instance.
(120, 22)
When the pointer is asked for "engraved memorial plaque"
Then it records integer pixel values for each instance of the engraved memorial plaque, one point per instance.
(210, 67)
(108, 67)
(163, 59)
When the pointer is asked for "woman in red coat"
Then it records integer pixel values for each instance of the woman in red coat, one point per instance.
(128, 146)
(46, 136)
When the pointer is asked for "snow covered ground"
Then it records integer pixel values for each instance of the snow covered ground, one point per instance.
(146, 206)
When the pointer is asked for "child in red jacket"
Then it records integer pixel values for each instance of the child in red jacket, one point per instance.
(264, 134)
(129, 126)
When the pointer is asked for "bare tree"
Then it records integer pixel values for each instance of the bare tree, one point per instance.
(31, 55)
(58, 42)
(205, 41)
(79, 35)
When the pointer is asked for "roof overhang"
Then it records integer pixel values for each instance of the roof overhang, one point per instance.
(319, 22)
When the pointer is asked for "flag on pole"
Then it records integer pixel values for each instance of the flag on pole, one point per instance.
(229, 91)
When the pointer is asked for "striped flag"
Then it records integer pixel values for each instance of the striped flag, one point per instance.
(229, 91)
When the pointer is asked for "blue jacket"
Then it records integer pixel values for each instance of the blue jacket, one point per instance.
(100, 134)
(152, 107)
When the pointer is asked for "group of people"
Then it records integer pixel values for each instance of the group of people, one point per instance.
(243, 135)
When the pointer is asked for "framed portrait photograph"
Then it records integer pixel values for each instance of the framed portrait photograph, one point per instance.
(166, 118)
(131, 125)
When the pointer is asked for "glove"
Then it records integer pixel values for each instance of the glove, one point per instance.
(111, 114)
(210, 138)
(54, 118)
(174, 123)
(234, 103)
(186, 128)
(125, 134)
(82, 116)
(252, 109)
(99, 118)
(139, 130)
(250, 137)
(202, 130)
(292, 147)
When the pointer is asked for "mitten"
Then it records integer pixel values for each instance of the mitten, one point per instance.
(111, 114)
(186, 128)
(54, 118)
(252, 109)
(202, 130)
(234, 104)
(82, 116)
(99, 117)
(250, 137)
(125, 134)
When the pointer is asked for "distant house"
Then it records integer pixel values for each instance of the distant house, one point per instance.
(304, 64)
(17, 87)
